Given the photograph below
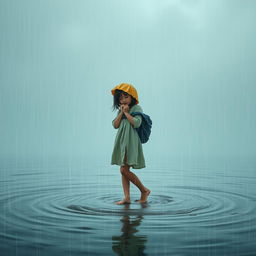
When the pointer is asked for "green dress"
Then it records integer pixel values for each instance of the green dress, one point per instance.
(127, 141)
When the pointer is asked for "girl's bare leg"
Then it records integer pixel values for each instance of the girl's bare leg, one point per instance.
(136, 181)
(126, 187)
(128, 176)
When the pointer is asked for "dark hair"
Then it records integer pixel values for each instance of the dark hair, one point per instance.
(116, 97)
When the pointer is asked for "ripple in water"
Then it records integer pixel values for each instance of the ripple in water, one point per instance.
(43, 214)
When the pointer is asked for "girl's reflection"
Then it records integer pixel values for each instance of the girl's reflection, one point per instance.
(128, 243)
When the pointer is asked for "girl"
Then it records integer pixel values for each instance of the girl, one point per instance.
(128, 150)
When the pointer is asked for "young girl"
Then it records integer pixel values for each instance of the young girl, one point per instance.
(128, 150)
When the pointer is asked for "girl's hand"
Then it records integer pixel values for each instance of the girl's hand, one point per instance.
(121, 108)
(126, 108)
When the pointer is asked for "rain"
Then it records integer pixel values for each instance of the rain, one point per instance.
(192, 63)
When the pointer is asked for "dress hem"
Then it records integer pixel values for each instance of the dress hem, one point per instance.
(129, 165)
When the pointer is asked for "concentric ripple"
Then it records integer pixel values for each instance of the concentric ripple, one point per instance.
(47, 208)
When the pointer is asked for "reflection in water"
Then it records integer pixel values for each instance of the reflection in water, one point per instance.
(128, 243)
(54, 214)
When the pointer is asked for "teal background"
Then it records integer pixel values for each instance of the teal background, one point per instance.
(192, 63)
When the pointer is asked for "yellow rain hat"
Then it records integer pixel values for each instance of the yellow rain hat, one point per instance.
(127, 88)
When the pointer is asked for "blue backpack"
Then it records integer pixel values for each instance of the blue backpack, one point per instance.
(145, 128)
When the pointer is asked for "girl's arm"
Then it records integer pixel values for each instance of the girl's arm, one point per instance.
(130, 118)
(134, 120)
(118, 120)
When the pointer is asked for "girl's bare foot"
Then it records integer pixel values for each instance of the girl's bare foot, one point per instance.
(124, 201)
(144, 196)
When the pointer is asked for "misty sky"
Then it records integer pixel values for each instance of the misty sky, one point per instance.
(192, 63)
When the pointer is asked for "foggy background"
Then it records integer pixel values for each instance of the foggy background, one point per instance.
(192, 63)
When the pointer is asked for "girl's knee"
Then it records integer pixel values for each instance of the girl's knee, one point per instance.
(124, 169)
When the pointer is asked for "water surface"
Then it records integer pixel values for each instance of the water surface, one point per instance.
(71, 211)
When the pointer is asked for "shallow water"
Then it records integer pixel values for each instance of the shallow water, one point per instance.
(71, 211)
